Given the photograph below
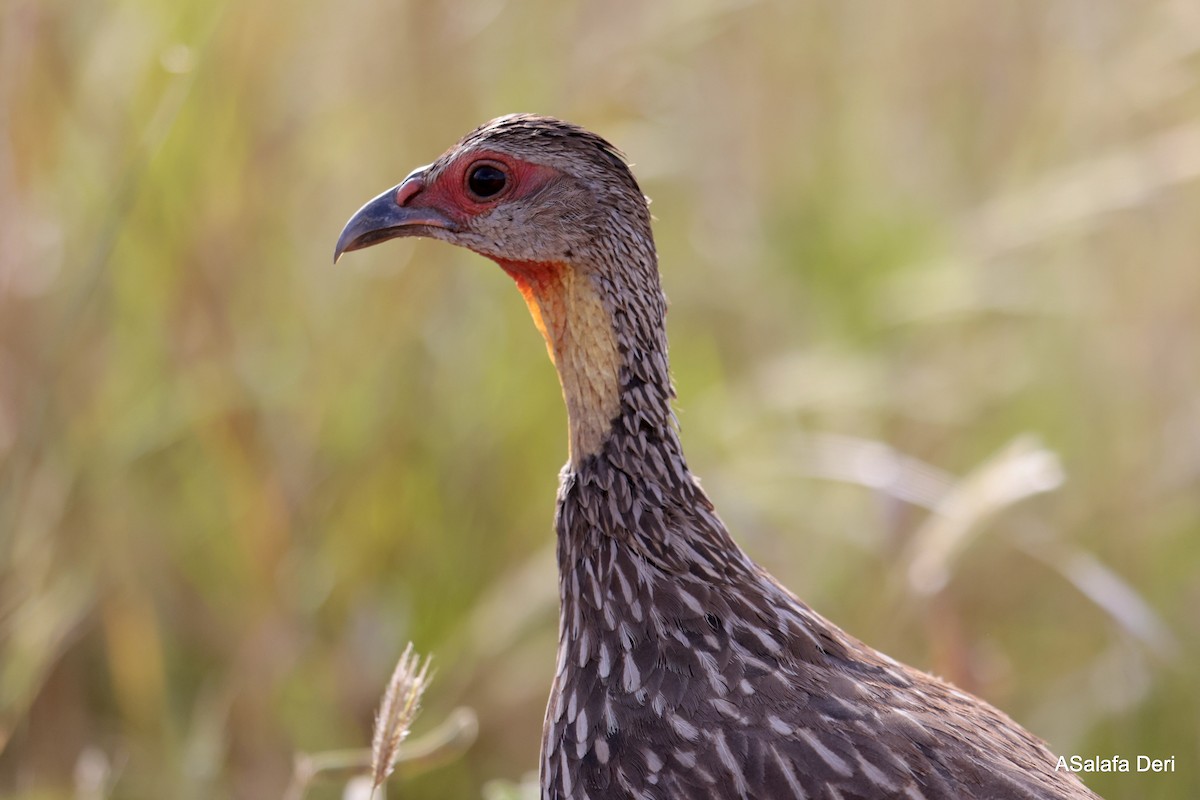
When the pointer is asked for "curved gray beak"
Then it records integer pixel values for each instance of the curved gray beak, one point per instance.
(390, 216)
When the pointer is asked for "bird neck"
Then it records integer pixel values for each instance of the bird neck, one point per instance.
(608, 342)
(629, 508)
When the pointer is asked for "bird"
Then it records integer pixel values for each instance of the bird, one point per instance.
(684, 669)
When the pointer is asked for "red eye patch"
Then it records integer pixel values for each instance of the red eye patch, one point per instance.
(457, 193)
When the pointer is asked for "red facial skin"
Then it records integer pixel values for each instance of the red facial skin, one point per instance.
(450, 195)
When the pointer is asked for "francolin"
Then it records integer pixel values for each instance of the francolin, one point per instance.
(684, 669)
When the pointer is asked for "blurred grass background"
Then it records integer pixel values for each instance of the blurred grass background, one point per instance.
(235, 480)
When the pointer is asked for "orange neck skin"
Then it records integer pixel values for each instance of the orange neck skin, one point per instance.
(577, 327)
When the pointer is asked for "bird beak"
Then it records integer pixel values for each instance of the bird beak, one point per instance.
(391, 215)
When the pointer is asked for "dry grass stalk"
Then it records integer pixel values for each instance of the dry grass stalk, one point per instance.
(401, 703)
(1023, 468)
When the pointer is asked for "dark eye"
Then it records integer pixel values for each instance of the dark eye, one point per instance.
(486, 180)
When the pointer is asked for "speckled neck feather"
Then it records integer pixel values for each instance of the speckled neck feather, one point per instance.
(686, 671)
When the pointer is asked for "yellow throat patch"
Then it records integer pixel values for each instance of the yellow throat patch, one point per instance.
(579, 336)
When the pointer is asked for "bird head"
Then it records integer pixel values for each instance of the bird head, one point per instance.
(521, 189)
(557, 207)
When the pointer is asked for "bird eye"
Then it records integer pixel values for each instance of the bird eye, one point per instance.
(486, 180)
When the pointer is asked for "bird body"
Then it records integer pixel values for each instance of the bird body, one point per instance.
(684, 669)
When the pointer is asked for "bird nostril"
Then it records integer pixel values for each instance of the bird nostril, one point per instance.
(405, 191)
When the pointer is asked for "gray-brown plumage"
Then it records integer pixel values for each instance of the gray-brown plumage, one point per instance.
(684, 670)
